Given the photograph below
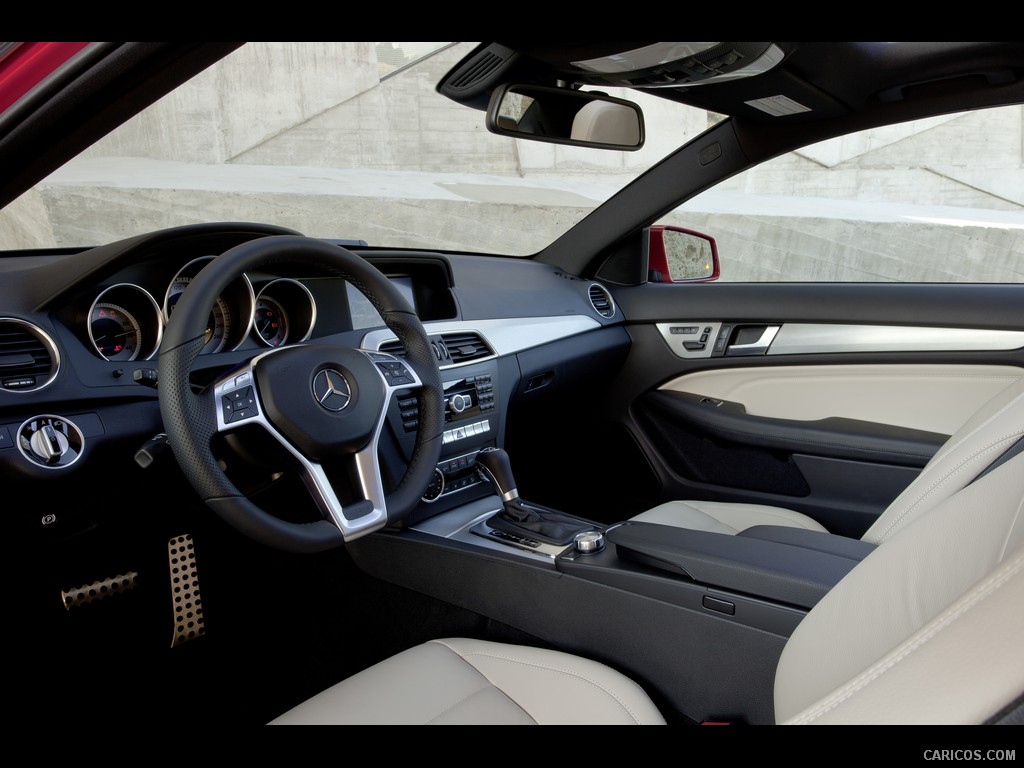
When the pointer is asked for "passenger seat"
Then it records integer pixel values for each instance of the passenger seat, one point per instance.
(991, 436)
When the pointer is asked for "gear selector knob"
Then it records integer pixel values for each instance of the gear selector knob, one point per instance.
(494, 465)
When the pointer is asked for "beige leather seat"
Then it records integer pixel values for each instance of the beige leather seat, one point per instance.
(606, 123)
(458, 681)
(927, 629)
(986, 436)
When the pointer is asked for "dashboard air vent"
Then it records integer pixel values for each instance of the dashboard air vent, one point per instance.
(449, 348)
(601, 300)
(464, 347)
(395, 347)
(28, 356)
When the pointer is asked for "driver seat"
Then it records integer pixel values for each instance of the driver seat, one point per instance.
(926, 629)
(986, 437)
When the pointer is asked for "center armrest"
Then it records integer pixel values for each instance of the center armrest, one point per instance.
(786, 565)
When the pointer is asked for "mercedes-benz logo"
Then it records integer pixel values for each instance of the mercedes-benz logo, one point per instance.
(331, 390)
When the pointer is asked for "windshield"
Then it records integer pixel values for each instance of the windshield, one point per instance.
(351, 141)
(345, 140)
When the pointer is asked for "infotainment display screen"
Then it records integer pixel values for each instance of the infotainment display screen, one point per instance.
(363, 313)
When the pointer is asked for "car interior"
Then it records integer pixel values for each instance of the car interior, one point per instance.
(258, 474)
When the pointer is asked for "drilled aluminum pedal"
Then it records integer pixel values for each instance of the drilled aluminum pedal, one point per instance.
(185, 599)
(98, 590)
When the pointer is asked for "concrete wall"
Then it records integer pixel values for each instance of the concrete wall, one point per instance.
(790, 219)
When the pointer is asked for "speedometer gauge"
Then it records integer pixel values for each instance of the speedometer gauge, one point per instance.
(230, 317)
(218, 327)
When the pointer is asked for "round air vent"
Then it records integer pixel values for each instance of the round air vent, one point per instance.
(28, 357)
(601, 300)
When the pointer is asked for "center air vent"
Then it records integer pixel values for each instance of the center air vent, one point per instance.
(28, 356)
(601, 300)
(464, 347)
(449, 348)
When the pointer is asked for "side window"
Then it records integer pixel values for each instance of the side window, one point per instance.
(936, 200)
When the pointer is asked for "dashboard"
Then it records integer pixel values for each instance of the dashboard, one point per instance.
(80, 333)
(121, 319)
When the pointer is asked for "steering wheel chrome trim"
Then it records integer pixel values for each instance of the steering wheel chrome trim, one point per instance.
(241, 380)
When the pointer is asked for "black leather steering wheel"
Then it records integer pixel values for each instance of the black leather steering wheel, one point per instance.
(324, 403)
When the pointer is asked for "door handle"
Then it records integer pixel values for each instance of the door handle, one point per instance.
(752, 340)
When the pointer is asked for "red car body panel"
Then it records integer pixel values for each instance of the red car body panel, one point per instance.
(27, 64)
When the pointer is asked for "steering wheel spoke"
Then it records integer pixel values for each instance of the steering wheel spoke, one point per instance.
(237, 397)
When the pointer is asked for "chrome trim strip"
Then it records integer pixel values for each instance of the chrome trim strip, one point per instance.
(807, 338)
(506, 336)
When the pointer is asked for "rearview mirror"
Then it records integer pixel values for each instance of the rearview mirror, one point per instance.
(676, 255)
(562, 116)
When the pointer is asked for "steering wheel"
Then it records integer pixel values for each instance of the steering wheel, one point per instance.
(326, 404)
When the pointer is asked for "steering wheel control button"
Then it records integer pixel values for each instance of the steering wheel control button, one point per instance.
(50, 441)
(395, 373)
(238, 405)
(331, 389)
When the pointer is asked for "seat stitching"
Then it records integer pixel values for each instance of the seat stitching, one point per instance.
(769, 511)
(859, 683)
(942, 481)
(1009, 529)
(487, 685)
(528, 663)
(712, 520)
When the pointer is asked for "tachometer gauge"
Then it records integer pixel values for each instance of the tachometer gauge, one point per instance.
(115, 331)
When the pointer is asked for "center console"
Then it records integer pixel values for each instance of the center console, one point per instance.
(704, 615)
(472, 416)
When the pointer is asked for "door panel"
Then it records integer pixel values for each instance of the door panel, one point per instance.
(833, 412)
(932, 398)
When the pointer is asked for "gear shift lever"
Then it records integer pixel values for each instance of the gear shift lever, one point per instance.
(519, 517)
(496, 467)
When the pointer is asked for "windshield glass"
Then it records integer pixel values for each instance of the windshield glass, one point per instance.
(343, 140)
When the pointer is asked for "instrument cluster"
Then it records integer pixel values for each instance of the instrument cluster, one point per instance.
(125, 321)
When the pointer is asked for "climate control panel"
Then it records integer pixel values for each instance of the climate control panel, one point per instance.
(452, 475)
